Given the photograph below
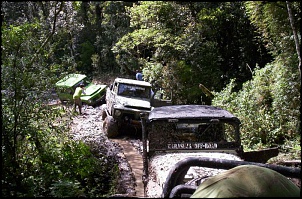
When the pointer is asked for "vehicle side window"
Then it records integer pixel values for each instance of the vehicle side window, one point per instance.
(119, 89)
(113, 87)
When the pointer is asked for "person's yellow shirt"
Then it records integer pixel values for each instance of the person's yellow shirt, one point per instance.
(77, 93)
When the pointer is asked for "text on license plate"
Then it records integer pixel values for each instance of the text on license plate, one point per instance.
(192, 145)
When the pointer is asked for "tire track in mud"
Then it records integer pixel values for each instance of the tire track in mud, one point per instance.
(136, 163)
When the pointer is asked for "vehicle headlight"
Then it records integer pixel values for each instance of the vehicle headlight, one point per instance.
(117, 113)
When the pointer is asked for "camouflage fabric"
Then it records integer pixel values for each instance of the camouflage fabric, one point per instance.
(247, 181)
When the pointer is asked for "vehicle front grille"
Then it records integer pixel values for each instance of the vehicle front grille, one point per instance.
(138, 107)
(130, 116)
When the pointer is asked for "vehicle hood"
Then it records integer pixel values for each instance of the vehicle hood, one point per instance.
(93, 88)
(70, 80)
(133, 102)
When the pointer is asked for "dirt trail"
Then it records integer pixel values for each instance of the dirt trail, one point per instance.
(136, 162)
(88, 127)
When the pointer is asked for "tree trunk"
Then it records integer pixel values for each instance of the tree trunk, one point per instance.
(291, 19)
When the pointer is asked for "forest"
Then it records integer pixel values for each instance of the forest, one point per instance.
(247, 53)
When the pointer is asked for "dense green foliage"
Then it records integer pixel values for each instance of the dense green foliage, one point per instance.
(38, 157)
(269, 104)
(210, 47)
(244, 52)
(271, 119)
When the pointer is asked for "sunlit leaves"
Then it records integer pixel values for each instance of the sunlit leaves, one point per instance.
(271, 19)
(267, 106)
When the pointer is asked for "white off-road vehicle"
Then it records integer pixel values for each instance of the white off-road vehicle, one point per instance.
(126, 99)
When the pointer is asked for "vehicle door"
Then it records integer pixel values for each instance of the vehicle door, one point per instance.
(111, 95)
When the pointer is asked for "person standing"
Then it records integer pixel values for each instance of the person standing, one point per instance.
(77, 97)
(139, 75)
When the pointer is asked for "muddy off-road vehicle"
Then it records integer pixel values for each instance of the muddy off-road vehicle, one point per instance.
(125, 100)
(94, 93)
(189, 141)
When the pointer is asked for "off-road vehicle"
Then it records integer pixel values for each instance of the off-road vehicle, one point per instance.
(125, 100)
(186, 139)
(94, 93)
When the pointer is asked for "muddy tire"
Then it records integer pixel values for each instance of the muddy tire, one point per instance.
(104, 114)
(110, 127)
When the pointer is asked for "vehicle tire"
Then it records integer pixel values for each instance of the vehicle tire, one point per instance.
(104, 114)
(110, 127)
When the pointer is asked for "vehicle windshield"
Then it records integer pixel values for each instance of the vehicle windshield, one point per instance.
(162, 133)
(129, 90)
(204, 132)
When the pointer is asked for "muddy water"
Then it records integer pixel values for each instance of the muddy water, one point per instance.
(136, 162)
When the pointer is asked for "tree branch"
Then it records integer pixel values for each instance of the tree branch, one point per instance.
(49, 36)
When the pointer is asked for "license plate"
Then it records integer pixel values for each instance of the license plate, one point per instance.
(208, 145)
